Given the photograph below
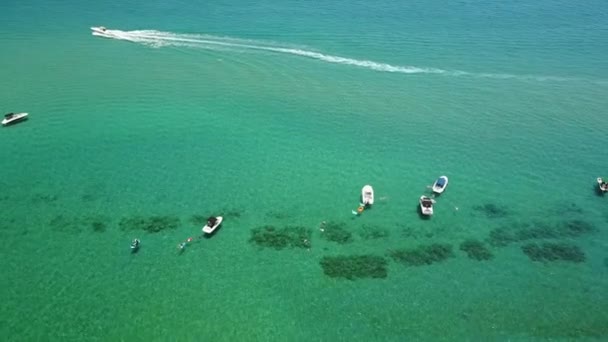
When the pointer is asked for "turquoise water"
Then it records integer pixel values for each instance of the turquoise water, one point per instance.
(278, 114)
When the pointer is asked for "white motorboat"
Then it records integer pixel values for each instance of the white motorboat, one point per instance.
(99, 29)
(367, 195)
(11, 118)
(440, 184)
(603, 184)
(426, 205)
(212, 224)
(135, 245)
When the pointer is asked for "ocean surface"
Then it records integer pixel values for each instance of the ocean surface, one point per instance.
(274, 114)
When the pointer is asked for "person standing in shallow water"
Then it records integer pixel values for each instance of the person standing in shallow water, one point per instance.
(135, 244)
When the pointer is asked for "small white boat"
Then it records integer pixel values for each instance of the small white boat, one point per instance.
(440, 184)
(99, 29)
(603, 184)
(212, 224)
(367, 195)
(135, 245)
(11, 118)
(426, 205)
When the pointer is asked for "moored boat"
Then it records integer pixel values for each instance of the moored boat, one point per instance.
(603, 184)
(426, 205)
(367, 195)
(440, 184)
(213, 223)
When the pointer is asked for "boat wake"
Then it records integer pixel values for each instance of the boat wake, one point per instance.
(159, 39)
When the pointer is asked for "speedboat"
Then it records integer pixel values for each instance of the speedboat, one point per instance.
(99, 29)
(603, 184)
(426, 205)
(212, 224)
(11, 118)
(440, 184)
(367, 195)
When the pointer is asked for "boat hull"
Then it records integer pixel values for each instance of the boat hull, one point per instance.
(427, 211)
(600, 181)
(14, 119)
(439, 189)
(367, 195)
(210, 230)
(98, 29)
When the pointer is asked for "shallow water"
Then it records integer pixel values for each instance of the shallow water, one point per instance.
(502, 98)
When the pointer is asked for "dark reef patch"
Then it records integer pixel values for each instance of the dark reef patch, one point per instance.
(96, 223)
(423, 255)
(279, 215)
(336, 232)
(491, 210)
(98, 227)
(355, 266)
(371, 233)
(67, 224)
(554, 252)
(280, 238)
(503, 236)
(476, 250)
(44, 198)
(88, 198)
(537, 230)
(61, 223)
(576, 228)
(199, 220)
(152, 224)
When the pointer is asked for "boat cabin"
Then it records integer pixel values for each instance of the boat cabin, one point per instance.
(427, 203)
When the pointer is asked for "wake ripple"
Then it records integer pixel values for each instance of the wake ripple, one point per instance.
(160, 39)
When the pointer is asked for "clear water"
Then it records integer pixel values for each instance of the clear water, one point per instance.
(277, 114)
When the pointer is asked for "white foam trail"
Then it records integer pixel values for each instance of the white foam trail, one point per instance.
(360, 63)
(159, 39)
